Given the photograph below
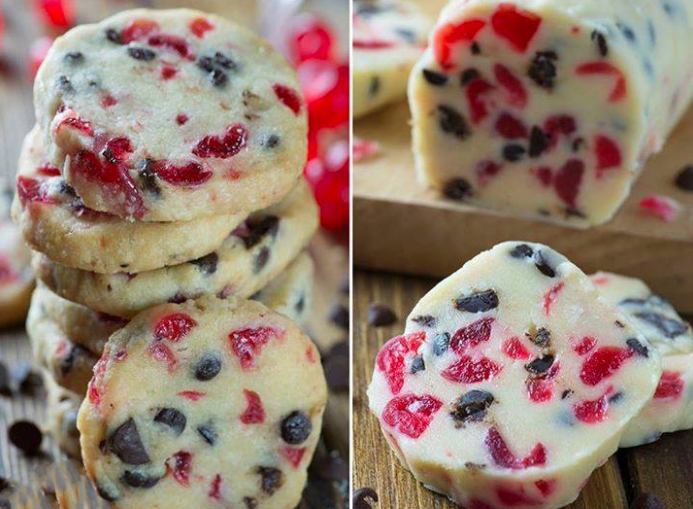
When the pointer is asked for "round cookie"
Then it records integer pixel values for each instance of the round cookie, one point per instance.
(257, 252)
(55, 221)
(63, 407)
(169, 115)
(16, 277)
(229, 416)
(389, 37)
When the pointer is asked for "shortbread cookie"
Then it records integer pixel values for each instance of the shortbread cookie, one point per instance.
(671, 408)
(16, 277)
(213, 403)
(63, 406)
(514, 380)
(55, 221)
(389, 37)
(549, 108)
(171, 115)
(257, 252)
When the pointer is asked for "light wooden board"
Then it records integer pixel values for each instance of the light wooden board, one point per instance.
(663, 468)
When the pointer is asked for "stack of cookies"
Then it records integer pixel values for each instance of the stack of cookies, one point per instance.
(165, 166)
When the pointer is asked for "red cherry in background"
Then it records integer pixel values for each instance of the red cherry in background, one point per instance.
(37, 53)
(56, 13)
(309, 37)
(326, 90)
(329, 178)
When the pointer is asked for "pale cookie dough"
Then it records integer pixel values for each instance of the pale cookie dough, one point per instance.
(389, 36)
(55, 221)
(170, 115)
(16, 277)
(63, 406)
(257, 252)
(514, 380)
(549, 107)
(671, 408)
(213, 403)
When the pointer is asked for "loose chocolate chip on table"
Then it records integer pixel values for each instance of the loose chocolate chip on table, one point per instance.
(208, 434)
(26, 436)
(478, 302)
(441, 343)
(5, 388)
(684, 179)
(418, 364)
(457, 189)
(472, 406)
(540, 365)
(208, 367)
(143, 54)
(522, 251)
(138, 480)
(424, 320)
(435, 78)
(174, 419)
(542, 70)
(339, 315)
(207, 264)
(668, 326)
(638, 347)
(271, 479)
(379, 315)
(125, 442)
(336, 366)
(361, 498)
(647, 501)
(543, 265)
(296, 428)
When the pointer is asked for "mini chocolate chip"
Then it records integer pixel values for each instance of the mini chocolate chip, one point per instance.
(380, 315)
(668, 326)
(435, 78)
(626, 31)
(258, 227)
(424, 320)
(472, 406)
(543, 265)
(144, 54)
(208, 367)
(125, 442)
(374, 86)
(513, 152)
(207, 264)
(149, 179)
(615, 398)
(452, 122)
(208, 434)
(566, 393)
(418, 364)
(541, 338)
(300, 304)
(250, 502)
(469, 75)
(478, 302)
(74, 57)
(65, 85)
(542, 70)
(5, 388)
(296, 428)
(619, 324)
(219, 78)
(339, 315)
(75, 353)
(647, 501)
(226, 62)
(138, 480)
(538, 141)
(174, 419)
(577, 144)
(599, 38)
(26, 436)
(684, 179)
(271, 479)
(522, 251)
(114, 36)
(540, 365)
(271, 141)
(638, 347)
(361, 498)
(441, 343)
(457, 189)
(261, 259)
(475, 48)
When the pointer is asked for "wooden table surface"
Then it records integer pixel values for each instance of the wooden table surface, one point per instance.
(664, 468)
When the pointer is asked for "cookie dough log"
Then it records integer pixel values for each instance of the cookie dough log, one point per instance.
(671, 407)
(213, 403)
(389, 37)
(171, 115)
(514, 380)
(550, 108)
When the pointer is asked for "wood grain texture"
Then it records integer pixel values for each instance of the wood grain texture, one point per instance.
(663, 468)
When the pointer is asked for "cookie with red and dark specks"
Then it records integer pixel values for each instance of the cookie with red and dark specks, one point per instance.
(171, 115)
(212, 403)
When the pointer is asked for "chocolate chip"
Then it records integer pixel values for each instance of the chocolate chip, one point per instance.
(424, 320)
(138, 480)
(272, 141)
(542, 70)
(599, 38)
(361, 498)
(684, 179)
(144, 54)
(149, 179)
(441, 343)
(457, 189)
(219, 78)
(75, 353)
(543, 265)
(380, 315)
(626, 31)
(435, 78)
(475, 48)
(513, 152)
(668, 326)
(26, 436)
(339, 315)
(452, 122)
(541, 338)
(208, 434)
(478, 302)
(469, 75)
(174, 419)
(638, 347)
(114, 36)
(522, 251)
(418, 364)
(615, 398)
(207, 264)
(250, 502)
(647, 501)
(65, 85)
(74, 57)
(106, 494)
(538, 142)
(258, 228)
(271, 479)
(472, 406)
(374, 86)
(5, 388)
(540, 365)
(208, 367)
(566, 393)
(296, 428)
(261, 259)
(224, 61)
(125, 442)
(336, 366)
